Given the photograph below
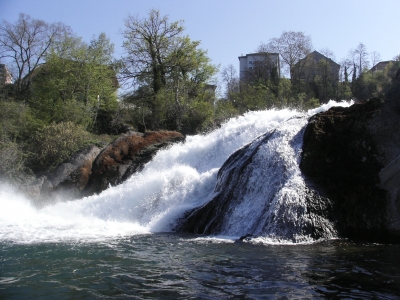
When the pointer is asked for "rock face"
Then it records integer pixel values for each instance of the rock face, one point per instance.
(351, 161)
(92, 170)
(125, 156)
(66, 181)
(260, 191)
(344, 151)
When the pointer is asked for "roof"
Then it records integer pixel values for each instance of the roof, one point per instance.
(317, 56)
(258, 53)
(381, 65)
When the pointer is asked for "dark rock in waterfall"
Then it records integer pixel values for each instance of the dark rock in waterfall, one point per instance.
(125, 156)
(65, 182)
(260, 191)
(345, 152)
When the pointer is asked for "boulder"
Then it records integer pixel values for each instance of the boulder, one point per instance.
(125, 156)
(260, 192)
(344, 153)
(65, 182)
(70, 178)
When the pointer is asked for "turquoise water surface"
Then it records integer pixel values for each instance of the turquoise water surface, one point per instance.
(173, 266)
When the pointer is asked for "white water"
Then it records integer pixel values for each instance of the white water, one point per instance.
(177, 179)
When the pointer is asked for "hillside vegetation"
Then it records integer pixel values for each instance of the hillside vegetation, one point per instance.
(66, 93)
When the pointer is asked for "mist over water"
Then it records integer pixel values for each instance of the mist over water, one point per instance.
(179, 178)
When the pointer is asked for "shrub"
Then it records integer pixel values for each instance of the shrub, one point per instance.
(55, 143)
(12, 163)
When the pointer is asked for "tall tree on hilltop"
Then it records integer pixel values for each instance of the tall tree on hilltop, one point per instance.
(163, 64)
(375, 58)
(229, 75)
(292, 46)
(148, 44)
(359, 57)
(353, 79)
(24, 45)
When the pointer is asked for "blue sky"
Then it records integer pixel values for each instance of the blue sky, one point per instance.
(230, 28)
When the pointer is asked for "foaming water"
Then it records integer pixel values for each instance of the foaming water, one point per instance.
(176, 180)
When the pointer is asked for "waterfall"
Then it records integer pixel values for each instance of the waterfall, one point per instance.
(178, 180)
(261, 192)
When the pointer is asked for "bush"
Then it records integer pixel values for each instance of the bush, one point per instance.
(224, 110)
(198, 118)
(12, 163)
(55, 143)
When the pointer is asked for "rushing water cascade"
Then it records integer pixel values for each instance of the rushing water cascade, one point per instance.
(180, 179)
(261, 192)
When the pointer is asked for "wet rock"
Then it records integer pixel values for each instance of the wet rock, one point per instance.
(65, 182)
(259, 192)
(344, 151)
(70, 178)
(125, 156)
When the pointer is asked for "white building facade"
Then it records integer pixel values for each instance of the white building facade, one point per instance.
(255, 66)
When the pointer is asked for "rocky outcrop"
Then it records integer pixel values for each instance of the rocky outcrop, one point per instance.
(125, 156)
(351, 161)
(65, 182)
(260, 192)
(344, 151)
(93, 169)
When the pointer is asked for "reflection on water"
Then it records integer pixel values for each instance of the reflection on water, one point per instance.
(171, 266)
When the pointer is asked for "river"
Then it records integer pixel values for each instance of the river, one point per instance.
(173, 266)
(120, 244)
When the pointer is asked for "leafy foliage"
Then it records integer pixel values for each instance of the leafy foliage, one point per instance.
(13, 163)
(56, 142)
(64, 93)
(78, 79)
(170, 74)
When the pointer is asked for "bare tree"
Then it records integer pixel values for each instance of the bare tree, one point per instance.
(25, 43)
(345, 69)
(375, 58)
(229, 75)
(292, 46)
(359, 57)
(148, 44)
(328, 53)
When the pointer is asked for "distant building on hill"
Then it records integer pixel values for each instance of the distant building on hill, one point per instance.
(315, 64)
(256, 66)
(380, 66)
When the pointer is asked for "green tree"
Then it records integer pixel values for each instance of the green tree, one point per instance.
(12, 163)
(149, 44)
(374, 84)
(167, 69)
(76, 82)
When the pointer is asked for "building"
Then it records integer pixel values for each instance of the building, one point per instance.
(380, 66)
(256, 66)
(5, 76)
(315, 64)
